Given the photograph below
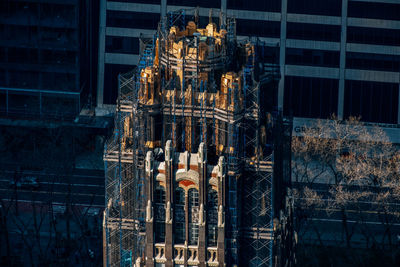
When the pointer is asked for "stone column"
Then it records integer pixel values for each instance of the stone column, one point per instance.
(221, 214)
(149, 187)
(221, 181)
(169, 181)
(221, 237)
(202, 167)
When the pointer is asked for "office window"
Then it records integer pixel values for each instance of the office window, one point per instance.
(315, 7)
(124, 45)
(59, 15)
(374, 36)
(373, 101)
(29, 55)
(50, 56)
(26, 79)
(4, 32)
(268, 54)
(373, 10)
(55, 37)
(365, 61)
(271, 5)
(57, 81)
(311, 57)
(14, 32)
(318, 32)
(3, 79)
(3, 99)
(258, 28)
(154, 2)
(195, 3)
(310, 97)
(126, 19)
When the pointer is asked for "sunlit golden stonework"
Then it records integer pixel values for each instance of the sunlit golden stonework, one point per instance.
(193, 173)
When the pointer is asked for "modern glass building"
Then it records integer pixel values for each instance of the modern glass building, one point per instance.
(335, 56)
(46, 58)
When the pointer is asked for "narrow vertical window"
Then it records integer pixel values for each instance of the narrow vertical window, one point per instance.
(212, 217)
(159, 214)
(193, 201)
(179, 216)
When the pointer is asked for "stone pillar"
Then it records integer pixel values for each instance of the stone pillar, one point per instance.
(149, 235)
(221, 181)
(221, 215)
(202, 166)
(105, 241)
(149, 187)
(221, 237)
(169, 181)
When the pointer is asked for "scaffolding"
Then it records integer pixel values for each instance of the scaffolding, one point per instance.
(196, 85)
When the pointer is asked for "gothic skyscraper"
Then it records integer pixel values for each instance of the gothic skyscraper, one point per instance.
(198, 168)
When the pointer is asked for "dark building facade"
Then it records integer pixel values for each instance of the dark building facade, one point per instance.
(335, 57)
(198, 167)
(47, 57)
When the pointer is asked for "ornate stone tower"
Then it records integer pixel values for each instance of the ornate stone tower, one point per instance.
(197, 168)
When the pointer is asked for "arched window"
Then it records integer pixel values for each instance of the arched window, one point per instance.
(159, 213)
(212, 217)
(193, 204)
(179, 216)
